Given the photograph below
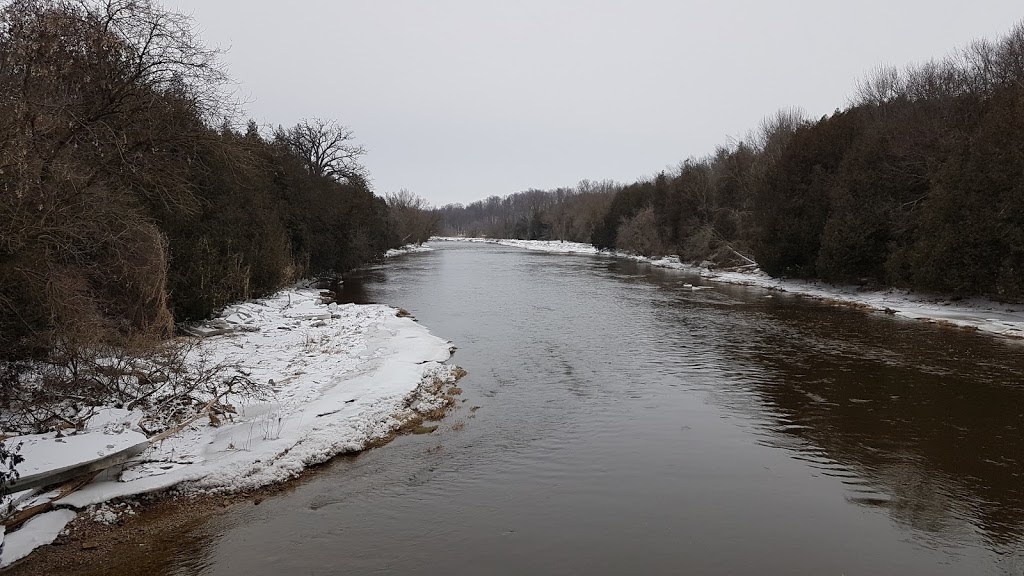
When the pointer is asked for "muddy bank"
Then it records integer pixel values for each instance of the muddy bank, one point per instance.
(149, 531)
(323, 379)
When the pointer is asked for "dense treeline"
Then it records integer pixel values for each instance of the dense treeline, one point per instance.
(561, 214)
(127, 203)
(917, 183)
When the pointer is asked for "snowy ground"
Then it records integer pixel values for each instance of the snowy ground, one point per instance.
(408, 249)
(539, 245)
(984, 315)
(336, 379)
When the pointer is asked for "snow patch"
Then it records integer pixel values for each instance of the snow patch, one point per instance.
(337, 378)
(114, 420)
(557, 246)
(47, 454)
(341, 376)
(39, 531)
(408, 249)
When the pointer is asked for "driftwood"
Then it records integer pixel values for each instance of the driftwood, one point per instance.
(205, 332)
(27, 514)
(78, 476)
(49, 477)
(178, 428)
(217, 327)
(740, 267)
(748, 260)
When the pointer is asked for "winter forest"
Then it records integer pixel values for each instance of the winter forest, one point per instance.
(134, 197)
(196, 305)
(917, 183)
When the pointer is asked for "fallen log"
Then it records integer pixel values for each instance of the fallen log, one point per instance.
(15, 521)
(205, 332)
(64, 474)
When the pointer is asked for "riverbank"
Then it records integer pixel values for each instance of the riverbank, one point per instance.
(987, 316)
(327, 379)
(408, 249)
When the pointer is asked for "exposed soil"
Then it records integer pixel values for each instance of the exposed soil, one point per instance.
(167, 525)
(163, 527)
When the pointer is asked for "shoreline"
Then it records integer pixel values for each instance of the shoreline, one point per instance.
(975, 314)
(338, 380)
(158, 519)
(408, 249)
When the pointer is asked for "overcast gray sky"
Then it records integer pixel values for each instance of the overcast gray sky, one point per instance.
(457, 100)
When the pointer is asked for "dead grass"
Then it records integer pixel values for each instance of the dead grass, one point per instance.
(164, 526)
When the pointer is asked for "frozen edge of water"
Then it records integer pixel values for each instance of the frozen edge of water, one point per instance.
(975, 314)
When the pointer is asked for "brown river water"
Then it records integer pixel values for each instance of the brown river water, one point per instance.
(628, 424)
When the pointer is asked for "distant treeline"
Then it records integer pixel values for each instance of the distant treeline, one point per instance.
(918, 183)
(561, 214)
(127, 202)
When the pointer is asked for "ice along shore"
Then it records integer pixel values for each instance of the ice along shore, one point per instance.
(986, 316)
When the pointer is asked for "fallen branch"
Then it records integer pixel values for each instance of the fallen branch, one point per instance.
(49, 477)
(740, 267)
(27, 514)
(204, 411)
(178, 428)
(749, 261)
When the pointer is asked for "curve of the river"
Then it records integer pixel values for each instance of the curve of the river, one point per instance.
(629, 424)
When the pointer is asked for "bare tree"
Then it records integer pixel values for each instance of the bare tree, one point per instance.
(412, 218)
(639, 234)
(327, 147)
(103, 102)
(774, 132)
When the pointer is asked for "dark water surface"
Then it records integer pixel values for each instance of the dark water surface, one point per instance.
(630, 425)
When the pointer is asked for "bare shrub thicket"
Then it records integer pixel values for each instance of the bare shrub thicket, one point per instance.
(412, 219)
(638, 234)
(101, 100)
(128, 200)
(570, 214)
(72, 127)
(168, 381)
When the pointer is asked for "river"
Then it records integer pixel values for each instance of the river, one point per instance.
(616, 421)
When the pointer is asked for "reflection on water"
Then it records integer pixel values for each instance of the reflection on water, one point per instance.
(629, 424)
(924, 423)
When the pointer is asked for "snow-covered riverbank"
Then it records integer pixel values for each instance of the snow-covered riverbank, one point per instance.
(979, 314)
(408, 249)
(539, 245)
(336, 378)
